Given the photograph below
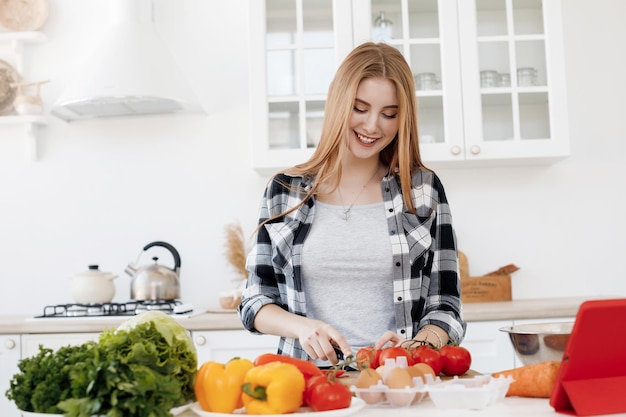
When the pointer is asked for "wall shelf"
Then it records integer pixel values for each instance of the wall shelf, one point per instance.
(31, 123)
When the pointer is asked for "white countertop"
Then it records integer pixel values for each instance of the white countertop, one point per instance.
(510, 406)
(229, 320)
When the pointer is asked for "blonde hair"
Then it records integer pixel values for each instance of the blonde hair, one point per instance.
(402, 155)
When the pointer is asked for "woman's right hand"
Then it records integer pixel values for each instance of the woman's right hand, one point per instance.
(319, 340)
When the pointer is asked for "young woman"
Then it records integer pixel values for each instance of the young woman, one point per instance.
(356, 246)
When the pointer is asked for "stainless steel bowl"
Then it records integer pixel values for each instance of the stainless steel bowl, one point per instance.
(539, 342)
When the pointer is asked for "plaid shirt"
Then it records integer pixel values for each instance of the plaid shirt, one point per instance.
(426, 286)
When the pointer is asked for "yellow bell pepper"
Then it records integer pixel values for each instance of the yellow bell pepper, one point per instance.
(274, 388)
(218, 386)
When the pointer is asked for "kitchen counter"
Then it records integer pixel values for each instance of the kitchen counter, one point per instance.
(511, 406)
(229, 320)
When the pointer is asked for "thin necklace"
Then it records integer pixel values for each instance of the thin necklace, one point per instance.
(346, 211)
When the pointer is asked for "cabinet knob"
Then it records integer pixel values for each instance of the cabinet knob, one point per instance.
(456, 150)
(475, 150)
(200, 340)
(9, 343)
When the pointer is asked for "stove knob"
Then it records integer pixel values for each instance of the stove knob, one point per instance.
(9, 343)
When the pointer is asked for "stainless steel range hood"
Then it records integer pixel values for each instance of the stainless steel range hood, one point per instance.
(131, 72)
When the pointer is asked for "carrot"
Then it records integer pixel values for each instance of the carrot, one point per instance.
(536, 380)
(308, 368)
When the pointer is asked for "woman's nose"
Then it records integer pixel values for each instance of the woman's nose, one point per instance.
(370, 123)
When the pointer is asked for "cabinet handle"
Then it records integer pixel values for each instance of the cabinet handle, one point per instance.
(9, 343)
(475, 150)
(200, 340)
(456, 150)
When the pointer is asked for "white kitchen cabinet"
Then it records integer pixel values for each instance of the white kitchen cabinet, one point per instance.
(15, 43)
(223, 345)
(450, 45)
(9, 358)
(490, 348)
(31, 342)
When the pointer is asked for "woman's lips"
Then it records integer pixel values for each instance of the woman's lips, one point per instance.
(365, 139)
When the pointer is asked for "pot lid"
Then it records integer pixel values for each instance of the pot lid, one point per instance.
(94, 273)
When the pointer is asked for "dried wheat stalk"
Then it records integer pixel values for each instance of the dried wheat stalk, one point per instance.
(236, 249)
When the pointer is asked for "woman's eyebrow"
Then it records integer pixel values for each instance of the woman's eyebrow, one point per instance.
(391, 106)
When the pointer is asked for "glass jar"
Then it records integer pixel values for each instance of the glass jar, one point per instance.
(382, 29)
(426, 81)
(526, 77)
(504, 80)
(489, 79)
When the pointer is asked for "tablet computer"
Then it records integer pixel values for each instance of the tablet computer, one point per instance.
(592, 375)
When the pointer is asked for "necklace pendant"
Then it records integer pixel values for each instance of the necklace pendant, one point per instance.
(346, 214)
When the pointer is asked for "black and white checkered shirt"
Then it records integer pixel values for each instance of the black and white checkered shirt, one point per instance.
(426, 286)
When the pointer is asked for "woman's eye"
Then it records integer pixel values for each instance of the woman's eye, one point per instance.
(390, 116)
(358, 110)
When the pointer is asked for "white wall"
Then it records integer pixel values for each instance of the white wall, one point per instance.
(103, 189)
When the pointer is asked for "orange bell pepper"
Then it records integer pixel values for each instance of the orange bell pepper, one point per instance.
(218, 386)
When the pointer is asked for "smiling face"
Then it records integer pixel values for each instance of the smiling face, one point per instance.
(373, 121)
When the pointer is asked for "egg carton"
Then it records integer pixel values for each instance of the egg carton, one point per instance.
(469, 393)
(381, 394)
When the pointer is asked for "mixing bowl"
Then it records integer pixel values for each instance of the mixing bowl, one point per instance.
(539, 342)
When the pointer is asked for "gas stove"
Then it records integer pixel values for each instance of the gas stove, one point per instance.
(130, 308)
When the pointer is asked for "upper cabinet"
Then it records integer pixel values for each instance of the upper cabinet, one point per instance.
(490, 79)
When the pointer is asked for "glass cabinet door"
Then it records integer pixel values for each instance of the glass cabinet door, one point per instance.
(301, 47)
(426, 32)
(509, 95)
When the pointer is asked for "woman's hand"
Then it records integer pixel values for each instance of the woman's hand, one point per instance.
(388, 337)
(319, 340)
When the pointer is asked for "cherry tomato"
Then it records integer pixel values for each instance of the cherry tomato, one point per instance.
(367, 357)
(456, 360)
(392, 352)
(324, 393)
(426, 354)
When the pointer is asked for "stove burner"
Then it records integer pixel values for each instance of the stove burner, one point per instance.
(129, 308)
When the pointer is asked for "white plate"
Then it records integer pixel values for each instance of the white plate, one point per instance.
(355, 406)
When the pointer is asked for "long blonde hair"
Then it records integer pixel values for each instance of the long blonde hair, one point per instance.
(402, 155)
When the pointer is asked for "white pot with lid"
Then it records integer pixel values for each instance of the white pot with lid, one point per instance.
(93, 286)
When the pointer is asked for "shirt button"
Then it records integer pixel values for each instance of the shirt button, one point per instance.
(399, 298)
(403, 331)
(390, 210)
(393, 232)
(387, 189)
(398, 264)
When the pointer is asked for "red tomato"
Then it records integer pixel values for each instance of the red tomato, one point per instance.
(367, 356)
(393, 352)
(456, 360)
(323, 393)
(426, 354)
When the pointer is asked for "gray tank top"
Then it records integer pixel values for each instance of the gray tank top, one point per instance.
(347, 272)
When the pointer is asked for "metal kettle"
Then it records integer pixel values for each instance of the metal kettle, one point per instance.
(155, 281)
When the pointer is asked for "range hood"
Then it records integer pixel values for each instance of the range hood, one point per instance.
(131, 72)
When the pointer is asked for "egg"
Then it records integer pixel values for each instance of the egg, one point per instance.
(367, 379)
(399, 378)
(425, 369)
(398, 381)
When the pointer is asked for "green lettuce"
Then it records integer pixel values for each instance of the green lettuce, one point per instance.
(143, 369)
